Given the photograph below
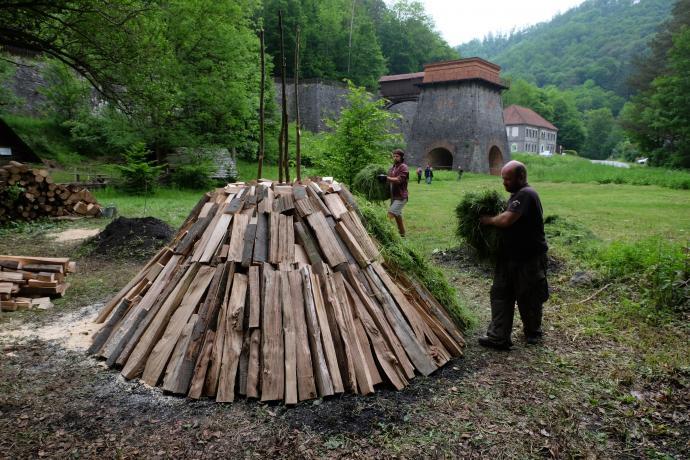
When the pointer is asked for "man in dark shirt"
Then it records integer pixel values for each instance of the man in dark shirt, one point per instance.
(397, 177)
(520, 274)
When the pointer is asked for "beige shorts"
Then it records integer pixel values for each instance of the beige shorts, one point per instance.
(397, 207)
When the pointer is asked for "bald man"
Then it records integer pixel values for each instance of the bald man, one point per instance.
(520, 274)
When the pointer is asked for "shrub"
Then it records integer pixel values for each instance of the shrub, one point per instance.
(486, 240)
(367, 183)
(400, 255)
(194, 176)
(139, 176)
(658, 268)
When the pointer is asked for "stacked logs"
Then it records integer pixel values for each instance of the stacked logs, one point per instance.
(27, 282)
(27, 194)
(274, 292)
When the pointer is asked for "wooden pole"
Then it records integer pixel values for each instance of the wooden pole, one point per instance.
(261, 106)
(298, 147)
(283, 167)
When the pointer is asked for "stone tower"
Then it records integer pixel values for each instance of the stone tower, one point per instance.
(452, 115)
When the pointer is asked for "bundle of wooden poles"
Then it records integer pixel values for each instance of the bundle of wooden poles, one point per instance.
(27, 194)
(274, 292)
(29, 282)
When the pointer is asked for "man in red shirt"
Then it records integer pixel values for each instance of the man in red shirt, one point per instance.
(397, 177)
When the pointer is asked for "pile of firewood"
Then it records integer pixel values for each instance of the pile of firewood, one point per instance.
(274, 292)
(27, 282)
(27, 194)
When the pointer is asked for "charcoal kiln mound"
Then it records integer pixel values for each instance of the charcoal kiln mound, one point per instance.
(274, 292)
(136, 237)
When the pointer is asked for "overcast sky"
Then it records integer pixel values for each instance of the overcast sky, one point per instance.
(460, 21)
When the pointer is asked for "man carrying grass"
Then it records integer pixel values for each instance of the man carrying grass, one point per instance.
(520, 274)
(397, 177)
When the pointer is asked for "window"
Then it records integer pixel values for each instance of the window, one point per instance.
(513, 147)
(5, 151)
(516, 131)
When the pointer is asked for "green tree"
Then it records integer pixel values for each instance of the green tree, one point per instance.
(67, 96)
(600, 126)
(361, 136)
(409, 39)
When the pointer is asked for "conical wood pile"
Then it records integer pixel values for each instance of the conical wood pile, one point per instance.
(274, 292)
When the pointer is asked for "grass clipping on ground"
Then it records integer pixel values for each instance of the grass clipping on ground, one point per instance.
(401, 256)
(485, 239)
(367, 183)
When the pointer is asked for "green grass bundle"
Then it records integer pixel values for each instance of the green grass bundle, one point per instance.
(485, 239)
(367, 183)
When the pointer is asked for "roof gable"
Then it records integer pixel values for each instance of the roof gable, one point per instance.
(518, 115)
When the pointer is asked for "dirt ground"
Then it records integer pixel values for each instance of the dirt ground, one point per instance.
(578, 395)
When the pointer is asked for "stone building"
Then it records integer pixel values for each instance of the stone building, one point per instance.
(528, 131)
(451, 115)
(319, 100)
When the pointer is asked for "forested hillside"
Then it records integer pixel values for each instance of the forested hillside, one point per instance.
(596, 41)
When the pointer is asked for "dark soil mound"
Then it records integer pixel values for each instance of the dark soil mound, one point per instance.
(138, 237)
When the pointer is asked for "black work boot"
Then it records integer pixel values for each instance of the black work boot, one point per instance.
(489, 343)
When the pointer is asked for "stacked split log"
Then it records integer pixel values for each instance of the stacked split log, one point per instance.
(274, 292)
(30, 282)
(27, 194)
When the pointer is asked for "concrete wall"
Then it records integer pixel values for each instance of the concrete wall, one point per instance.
(465, 118)
(407, 111)
(318, 100)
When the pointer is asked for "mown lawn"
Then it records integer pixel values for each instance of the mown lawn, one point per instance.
(611, 211)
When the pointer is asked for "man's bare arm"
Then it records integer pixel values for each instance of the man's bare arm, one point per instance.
(503, 220)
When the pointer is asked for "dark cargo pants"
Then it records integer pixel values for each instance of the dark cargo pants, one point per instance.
(524, 282)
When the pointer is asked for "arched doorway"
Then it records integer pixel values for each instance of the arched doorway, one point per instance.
(495, 161)
(439, 158)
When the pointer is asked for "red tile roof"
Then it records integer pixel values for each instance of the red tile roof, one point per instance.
(517, 115)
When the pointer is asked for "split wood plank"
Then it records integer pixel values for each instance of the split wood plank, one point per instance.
(326, 239)
(149, 316)
(290, 339)
(160, 354)
(104, 332)
(305, 372)
(157, 323)
(249, 237)
(329, 343)
(179, 381)
(254, 297)
(274, 238)
(384, 355)
(213, 372)
(365, 383)
(232, 347)
(197, 386)
(343, 347)
(261, 241)
(305, 238)
(376, 312)
(414, 348)
(335, 204)
(176, 359)
(237, 242)
(254, 365)
(352, 244)
(273, 354)
(118, 340)
(137, 278)
(322, 375)
(366, 348)
(355, 227)
(215, 239)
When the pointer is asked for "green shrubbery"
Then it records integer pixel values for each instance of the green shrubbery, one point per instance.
(657, 270)
(400, 255)
(193, 176)
(138, 175)
(579, 170)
